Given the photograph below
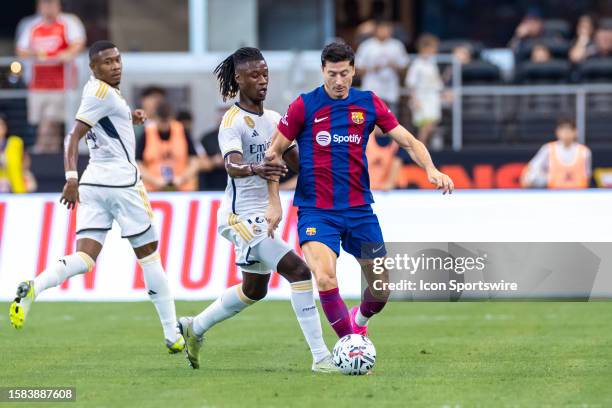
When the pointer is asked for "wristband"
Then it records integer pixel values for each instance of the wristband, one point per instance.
(72, 175)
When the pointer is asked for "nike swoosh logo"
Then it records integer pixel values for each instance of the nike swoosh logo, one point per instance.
(318, 120)
(379, 248)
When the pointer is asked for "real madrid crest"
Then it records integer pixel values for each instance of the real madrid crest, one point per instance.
(249, 121)
(357, 117)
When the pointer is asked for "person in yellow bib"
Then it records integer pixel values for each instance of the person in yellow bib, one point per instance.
(15, 176)
(561, 164)
(166, 155)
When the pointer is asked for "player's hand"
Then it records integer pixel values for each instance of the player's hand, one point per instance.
(440, 180)
(274, 215)
(70, 195)
(138, 117)
(270, 170)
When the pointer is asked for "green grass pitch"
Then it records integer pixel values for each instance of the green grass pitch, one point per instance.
(429, 355)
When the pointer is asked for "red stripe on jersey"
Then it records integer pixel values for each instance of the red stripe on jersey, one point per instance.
(322, 158)
(357, 123)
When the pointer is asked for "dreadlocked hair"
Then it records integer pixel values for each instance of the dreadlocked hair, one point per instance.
(226, 70)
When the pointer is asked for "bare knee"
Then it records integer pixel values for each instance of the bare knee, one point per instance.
(326, 279)
(145, 250)
(254, 292)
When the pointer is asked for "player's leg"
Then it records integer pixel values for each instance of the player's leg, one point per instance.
(93, 222)
(131, 209)
(275, 254)
(322, 261)
(364, 240)
(157, 287)
(81, 261)
(319, 232)
(232, 301)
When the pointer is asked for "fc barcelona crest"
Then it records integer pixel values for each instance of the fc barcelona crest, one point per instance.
(357, 117)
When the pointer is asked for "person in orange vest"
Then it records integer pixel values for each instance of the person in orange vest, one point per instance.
(562, 164)
(166, 155)
(384, 166)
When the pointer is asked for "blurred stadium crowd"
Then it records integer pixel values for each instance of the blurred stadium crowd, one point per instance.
(417, 78)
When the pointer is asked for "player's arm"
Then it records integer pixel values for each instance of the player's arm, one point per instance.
(236, 167)
(291, 157)
(420, 155)
(70, 194)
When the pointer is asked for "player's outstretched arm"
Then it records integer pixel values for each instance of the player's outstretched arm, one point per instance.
(70, 194)
(236, 168)
(274, 154)
(418, 152)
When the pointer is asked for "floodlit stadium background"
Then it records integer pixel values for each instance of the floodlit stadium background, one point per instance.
(497, 111)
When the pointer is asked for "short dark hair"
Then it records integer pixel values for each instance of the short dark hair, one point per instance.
(566, 121)
(100, 46)
(337, 51)
(152, 90)
(164, 111)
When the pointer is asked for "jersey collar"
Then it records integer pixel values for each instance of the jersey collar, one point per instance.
(248, 111)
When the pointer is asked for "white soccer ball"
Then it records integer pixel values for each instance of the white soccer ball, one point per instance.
(354, 354)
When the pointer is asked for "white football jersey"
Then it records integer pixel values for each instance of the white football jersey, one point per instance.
(249, 134)
(111, 140)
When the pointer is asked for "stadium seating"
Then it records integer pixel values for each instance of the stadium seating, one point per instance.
(552, 72)
(559, 47)
(596, 70)
(557, 28)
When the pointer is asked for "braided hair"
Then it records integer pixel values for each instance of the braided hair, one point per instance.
(226, 70)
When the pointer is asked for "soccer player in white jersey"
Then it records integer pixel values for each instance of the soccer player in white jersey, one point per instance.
(109, 189)
(244, 135)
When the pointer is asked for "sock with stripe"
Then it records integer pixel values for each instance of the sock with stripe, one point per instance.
(63, 269)
(231, 302)
(336, 312)
(305, 308)
(160, 294)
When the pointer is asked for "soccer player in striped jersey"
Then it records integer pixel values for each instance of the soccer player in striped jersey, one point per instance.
(331, 125)
(244, 135)
(109, 189)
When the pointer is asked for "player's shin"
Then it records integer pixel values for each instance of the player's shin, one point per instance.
(231, 302)
(336, 311)
(302, 300)
(159, 293)
(64, 268)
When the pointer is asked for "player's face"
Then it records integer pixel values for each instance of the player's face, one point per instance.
(566, 134)
(252, 78)
(337, 78)
(106, 66)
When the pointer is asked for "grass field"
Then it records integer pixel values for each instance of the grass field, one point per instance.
(429, 355)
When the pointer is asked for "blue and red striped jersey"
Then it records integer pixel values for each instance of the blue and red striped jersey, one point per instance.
(332, 135)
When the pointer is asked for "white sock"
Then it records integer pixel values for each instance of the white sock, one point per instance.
(159, 293)
(63, 269)
(360, 319)
(305, 308)
(231, 302)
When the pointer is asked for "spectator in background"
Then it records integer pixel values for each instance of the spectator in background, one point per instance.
(585, 30)
(186, 119)
(150, 99)
(425, 84)
(213, 176)
(384, 165)
(540, 54)
(603, 45)
(53, 39)
(380, 61)
(15, 175)
(531, 28)
(166, 155)
(463, 54)
(562, 164)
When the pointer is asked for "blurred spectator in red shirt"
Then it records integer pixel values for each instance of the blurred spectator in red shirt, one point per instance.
(52, 39)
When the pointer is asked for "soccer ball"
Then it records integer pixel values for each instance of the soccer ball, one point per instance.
(354, 354)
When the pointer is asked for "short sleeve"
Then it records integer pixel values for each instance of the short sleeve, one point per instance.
(23, 33)
(92, 109)
(385, 119)
(74, 29)
(292, 123)
(229, 141)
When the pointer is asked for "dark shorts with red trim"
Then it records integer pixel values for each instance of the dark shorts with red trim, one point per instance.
(357, 229)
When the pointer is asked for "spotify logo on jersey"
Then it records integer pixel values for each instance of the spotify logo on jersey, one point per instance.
(323, 138)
